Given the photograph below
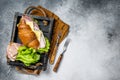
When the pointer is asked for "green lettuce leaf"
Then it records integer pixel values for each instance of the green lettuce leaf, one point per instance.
(47, 47)
(27, 55)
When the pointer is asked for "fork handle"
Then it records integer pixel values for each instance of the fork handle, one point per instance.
(58, 63)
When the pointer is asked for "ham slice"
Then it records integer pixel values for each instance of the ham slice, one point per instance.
(12, 50)
(42, 41)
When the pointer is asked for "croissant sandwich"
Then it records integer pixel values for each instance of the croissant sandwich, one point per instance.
(33, 43)
(30, 34)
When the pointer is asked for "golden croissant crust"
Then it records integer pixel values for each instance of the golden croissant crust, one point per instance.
(26, 35)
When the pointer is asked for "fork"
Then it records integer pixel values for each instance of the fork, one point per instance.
(61, 55)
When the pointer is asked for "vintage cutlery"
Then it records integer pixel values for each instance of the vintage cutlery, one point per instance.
(55, 49)
(61, 55)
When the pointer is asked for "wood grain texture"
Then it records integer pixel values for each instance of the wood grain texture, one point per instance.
(55, 69)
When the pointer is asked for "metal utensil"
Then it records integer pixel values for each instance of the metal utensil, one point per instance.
(61, 55)
(52, 59)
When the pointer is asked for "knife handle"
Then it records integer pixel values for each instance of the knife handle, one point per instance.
(52, 59)
(58, 63)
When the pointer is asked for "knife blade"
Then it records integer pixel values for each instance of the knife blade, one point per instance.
(54, 52)
(61, 55)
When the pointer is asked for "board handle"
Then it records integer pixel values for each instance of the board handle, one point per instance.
(31, 8)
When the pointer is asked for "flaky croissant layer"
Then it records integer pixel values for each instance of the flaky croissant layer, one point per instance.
(26, 35)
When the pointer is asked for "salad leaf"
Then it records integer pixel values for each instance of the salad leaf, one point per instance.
(47, 47)
(27, 55)
(30, 55)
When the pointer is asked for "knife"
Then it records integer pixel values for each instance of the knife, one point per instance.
(52, 59)
(61, 55)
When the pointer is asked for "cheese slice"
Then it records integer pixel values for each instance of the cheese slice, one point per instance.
(38, 33)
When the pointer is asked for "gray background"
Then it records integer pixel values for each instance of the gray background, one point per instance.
(94, 52)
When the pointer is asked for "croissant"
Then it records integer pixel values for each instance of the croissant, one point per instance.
(26, 35)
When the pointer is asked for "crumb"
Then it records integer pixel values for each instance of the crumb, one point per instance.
(45, 22)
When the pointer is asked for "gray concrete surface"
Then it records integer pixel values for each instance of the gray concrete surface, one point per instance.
(94, 52)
